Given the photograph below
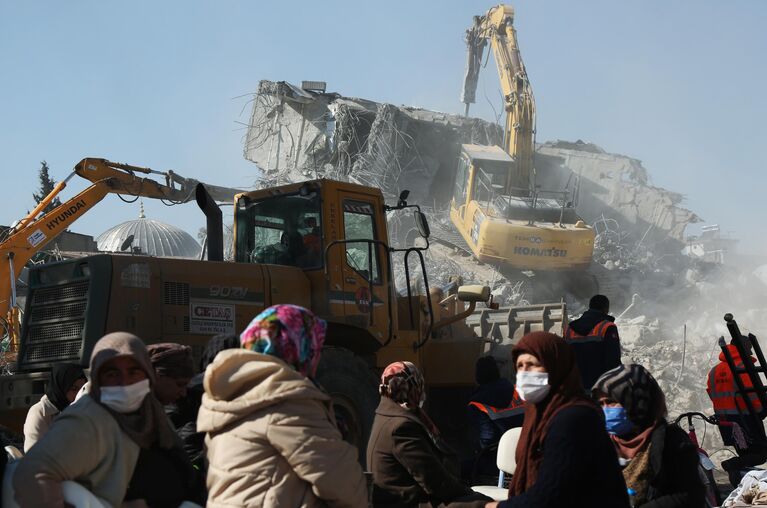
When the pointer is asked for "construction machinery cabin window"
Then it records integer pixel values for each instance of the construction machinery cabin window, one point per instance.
(359, 224)
(461, 179)
(490, 179)
(281, 230)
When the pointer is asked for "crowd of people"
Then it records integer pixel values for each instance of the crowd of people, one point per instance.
(253, 428)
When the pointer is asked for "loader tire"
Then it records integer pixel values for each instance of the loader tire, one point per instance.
(354, 389)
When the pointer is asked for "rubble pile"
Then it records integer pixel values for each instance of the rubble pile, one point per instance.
(617, 187)
(675, 331)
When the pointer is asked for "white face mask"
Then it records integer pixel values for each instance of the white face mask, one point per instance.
(533, 386)
(125, 399)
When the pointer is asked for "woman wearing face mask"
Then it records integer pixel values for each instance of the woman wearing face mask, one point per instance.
(116, 441)
(564, 456)
(409, 461)
(271, 434)
(66, 380)
(660, 462)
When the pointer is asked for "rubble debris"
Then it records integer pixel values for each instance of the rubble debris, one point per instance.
(295, 134)
(619, 187)
(710, 245)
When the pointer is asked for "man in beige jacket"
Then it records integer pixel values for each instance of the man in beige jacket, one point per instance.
(271, 436)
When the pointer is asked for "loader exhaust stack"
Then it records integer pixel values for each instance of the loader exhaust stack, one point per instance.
(214, 223)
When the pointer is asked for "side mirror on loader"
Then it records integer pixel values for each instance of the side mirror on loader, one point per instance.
(473, 293)
(422, 224)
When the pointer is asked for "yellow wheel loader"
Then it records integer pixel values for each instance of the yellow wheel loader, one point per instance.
(320, 244)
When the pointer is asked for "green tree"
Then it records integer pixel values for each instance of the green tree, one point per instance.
(46, 186)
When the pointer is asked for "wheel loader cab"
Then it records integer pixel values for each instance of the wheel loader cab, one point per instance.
(280, 230)
(335, 232)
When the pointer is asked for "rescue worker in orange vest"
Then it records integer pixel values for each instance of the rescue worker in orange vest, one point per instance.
(494, 408)
(737, 427)
(594, 337)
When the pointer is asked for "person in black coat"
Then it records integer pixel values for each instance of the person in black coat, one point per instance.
(594, 338)
(183, 413)
(660, 462)
(496, 392)
(564, 455)
(410, 463)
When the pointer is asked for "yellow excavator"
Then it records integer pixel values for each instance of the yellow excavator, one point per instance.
(37, 229)
(504, 218)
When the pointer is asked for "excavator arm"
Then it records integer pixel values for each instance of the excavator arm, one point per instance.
(34, 231)
(497, 27)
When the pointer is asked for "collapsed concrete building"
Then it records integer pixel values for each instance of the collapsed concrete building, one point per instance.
(302, 133)
(297, 133)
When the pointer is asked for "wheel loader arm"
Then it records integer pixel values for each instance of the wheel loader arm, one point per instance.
(497, 28)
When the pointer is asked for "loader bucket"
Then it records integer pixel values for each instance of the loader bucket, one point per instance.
(502, 328)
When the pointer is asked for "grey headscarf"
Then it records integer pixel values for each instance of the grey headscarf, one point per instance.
(148, 425)
(636, 390)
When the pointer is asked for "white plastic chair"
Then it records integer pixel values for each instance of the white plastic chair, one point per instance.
(506, 461)
(13, 453)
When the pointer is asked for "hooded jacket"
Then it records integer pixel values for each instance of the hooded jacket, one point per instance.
(86, 445)
(272, 439)
(91, 444)
(39, 419)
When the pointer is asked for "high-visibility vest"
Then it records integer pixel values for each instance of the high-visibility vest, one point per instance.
(516, 407)
(597, 334)
(723, 391)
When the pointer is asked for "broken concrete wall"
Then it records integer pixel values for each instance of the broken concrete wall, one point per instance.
(295, 134)
(289, 135)
(616, 187)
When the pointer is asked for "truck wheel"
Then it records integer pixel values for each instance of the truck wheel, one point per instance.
(354, 390)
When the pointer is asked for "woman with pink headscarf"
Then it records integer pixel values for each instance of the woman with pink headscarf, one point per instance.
(409, 461)
(271, 434)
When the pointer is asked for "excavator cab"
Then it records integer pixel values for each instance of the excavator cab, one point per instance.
(505, 221)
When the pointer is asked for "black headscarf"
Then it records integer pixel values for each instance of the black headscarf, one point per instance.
(215, 345)
(63, 376)
(637, 391)
(486, 370)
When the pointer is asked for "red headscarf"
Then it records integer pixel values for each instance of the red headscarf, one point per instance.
(558, 359)
(403, 383)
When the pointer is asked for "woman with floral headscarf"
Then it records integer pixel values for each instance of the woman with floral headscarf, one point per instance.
(409, 461)
(271, 434)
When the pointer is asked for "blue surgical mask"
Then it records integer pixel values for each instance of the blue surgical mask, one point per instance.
(616, 421)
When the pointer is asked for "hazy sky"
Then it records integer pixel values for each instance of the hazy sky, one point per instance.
(679, 85)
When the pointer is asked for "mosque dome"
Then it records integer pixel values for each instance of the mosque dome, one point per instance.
(150, 237)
